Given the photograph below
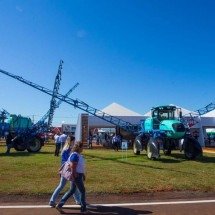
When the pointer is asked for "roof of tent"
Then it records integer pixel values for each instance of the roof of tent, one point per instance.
(115, 109)
(209, 114)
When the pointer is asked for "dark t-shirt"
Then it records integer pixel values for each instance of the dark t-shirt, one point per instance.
(9, 139)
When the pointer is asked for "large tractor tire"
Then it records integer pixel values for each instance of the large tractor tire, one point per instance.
(153, 149)
(19, 144)
(192, 148)
(34, 145)
(140, 143)
(167, 147)
(135, 150)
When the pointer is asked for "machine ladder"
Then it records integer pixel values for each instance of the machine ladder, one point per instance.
(41, 125)
(53, 102)
(206, 109)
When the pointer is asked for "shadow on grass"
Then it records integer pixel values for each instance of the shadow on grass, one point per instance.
(164, 160)
(206, 159)
(104, 210)
(201, 159)
(24, 153)
(173, 158)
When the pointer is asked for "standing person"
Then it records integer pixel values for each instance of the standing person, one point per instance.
(119, 140)
(77, 165)
(57, 144)
(64, 157)
(115, 142)
(63, 138)
(89, 141)
(9, 141)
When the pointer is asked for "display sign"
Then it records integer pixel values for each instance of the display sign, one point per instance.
(124, 146)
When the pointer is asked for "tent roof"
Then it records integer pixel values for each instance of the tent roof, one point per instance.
(209, 114)
(115, 109)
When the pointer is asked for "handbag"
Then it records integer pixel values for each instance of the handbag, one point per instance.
(66, 171)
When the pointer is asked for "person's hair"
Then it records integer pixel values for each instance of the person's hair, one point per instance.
(72, 138)
(67, 145)
(77, 146)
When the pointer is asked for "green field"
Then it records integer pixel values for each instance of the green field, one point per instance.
(107, 172)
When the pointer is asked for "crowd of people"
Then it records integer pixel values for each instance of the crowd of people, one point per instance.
(60, 140)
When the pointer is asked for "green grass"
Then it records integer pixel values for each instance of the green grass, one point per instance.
(107, 172)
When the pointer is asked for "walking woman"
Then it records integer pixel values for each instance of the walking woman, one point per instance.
(64, 157)
(77, 165)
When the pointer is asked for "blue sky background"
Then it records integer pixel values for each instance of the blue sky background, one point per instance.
(138, 53)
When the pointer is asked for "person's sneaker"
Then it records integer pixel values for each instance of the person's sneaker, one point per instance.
(59, 208)
(83, 209)
(52, 204)
(77, 203)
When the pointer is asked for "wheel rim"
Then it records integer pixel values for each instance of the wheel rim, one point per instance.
(19, 145)
(134, 149)
(149, 153)
(34, 145)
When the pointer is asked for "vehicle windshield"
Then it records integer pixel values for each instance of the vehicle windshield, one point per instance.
(167, 114)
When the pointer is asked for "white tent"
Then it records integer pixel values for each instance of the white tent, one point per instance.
(118, 111)
(115, 109)
(209, 114)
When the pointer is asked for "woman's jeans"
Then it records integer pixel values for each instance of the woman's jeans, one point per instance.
(77, 183)
(76, 195)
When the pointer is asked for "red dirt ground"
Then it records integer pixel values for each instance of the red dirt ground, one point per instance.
(110, 198)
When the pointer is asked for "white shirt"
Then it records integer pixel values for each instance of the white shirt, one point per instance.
(56, 138)
(63, 138)
(81, 164)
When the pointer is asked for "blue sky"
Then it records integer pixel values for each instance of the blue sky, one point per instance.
(138, 53)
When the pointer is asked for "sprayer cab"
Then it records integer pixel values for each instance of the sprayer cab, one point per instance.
(166, 112)
(166, 119)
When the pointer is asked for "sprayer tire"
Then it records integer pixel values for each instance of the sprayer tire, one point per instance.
(192, 148)
(34, 145)
(167, 147)
(136, 152)
(19, 145)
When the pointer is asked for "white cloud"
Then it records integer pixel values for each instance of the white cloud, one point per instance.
(19, 9)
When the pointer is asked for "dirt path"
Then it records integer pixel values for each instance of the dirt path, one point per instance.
(110, 198)
(149, 203)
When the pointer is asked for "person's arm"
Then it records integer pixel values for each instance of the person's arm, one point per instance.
(73, 168)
